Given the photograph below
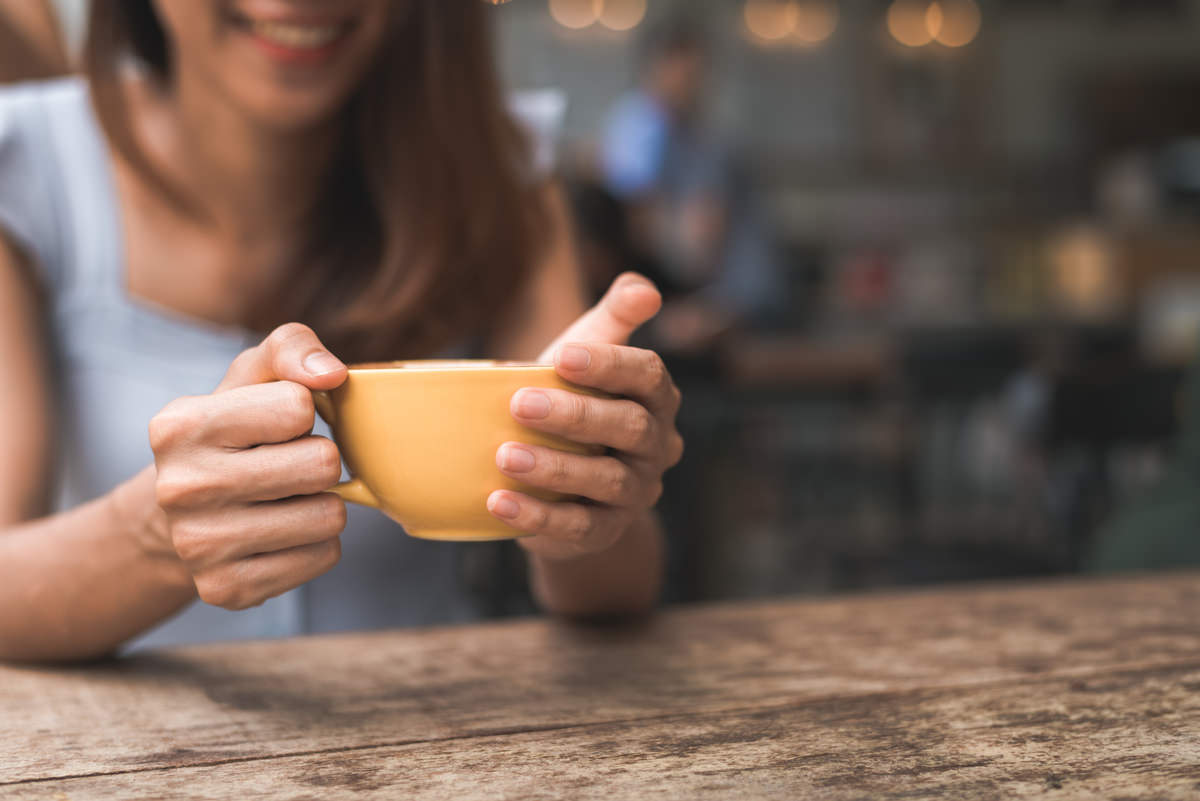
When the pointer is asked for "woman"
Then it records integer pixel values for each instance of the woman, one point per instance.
(341, 177)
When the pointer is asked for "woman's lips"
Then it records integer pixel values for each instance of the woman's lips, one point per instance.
(303, 41)
(298, 35)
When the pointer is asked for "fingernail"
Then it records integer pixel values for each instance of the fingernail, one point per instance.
(533, 405)
(515, 459)
(503, 506)
(321, 363)
(573, 357)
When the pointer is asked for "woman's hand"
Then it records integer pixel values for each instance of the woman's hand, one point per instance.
(242, 480)
(638, 428)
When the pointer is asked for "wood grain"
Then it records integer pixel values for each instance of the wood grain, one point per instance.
(400, 704)
(1129, 734)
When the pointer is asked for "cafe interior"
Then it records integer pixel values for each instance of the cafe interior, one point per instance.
(980, 228)
(932, 271)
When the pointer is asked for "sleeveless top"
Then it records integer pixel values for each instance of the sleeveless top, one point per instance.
(118, 360)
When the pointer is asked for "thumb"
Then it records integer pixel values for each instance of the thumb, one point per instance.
(629, 302)
(292, 352)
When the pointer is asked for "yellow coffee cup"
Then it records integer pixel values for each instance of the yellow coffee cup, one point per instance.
(420, 440)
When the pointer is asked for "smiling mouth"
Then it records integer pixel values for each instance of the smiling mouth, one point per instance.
(297, 36)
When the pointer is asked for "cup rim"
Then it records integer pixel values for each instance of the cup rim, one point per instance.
(447, 366)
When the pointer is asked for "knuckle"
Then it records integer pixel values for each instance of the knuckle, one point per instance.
(332, 510)
(220, 591)
(577, 411)
(638, 425)
(620, 483)
(559, 468)
(174, 422)
(656, 370)
(190, 544)
(246, 359)
(677, 448)
(174, 489)
(284, 344)
(328, 460)
(539, 518)
(616, 359)
(296, 406)
(289, 332)
(330, 553)
(581, 526)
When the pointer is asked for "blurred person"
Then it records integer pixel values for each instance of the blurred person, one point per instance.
(30, 44)
(236, 192)
(693, 211)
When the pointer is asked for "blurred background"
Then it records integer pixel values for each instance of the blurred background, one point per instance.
(932, 269)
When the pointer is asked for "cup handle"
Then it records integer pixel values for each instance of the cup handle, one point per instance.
(354, 490)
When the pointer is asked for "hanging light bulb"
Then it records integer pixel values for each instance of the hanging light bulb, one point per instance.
(770, 20)
(576, 14)
(622, 15)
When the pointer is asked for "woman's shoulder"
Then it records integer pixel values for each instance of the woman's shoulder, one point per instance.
(40, 124)
(25, 102)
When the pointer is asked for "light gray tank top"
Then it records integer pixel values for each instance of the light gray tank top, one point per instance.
(119, 360)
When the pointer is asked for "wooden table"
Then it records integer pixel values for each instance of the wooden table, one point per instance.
(1073, 689)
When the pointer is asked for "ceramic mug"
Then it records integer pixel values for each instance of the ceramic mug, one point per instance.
(420, 441)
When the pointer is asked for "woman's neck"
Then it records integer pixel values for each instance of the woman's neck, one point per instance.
(243, 177)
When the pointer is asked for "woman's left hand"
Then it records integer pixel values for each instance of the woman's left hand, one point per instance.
(637, 428)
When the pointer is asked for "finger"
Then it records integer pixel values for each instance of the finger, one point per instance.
(240, 418)
(585, 528)
(249, 582)
(621, 424)
(600, 478)
(629, 302)
(620, 370)
(291, 352)
(262, 414)
(303, 466)
(243, 531)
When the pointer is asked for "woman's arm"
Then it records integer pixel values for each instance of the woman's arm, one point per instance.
(625, 577)
(74, 585)
(234, 509)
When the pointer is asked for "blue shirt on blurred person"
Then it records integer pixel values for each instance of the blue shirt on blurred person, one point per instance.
(694, 212)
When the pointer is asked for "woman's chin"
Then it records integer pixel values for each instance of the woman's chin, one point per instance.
(292, 113)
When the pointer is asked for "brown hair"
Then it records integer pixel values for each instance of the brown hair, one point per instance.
(430, 218)
(30, 49)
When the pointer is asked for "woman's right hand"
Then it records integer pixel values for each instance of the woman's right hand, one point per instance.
(242, 480)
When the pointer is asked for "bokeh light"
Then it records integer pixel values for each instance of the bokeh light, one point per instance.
(816, 20)
(770, 20)
(959, 22)
(934, 19)
(908, 22)
(576, 14)
(1086, 279)
(622, 15)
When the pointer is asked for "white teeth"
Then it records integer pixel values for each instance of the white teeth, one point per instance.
(297, 35)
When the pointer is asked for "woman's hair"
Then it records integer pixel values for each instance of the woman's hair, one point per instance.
(28, 51)
(429, 219)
